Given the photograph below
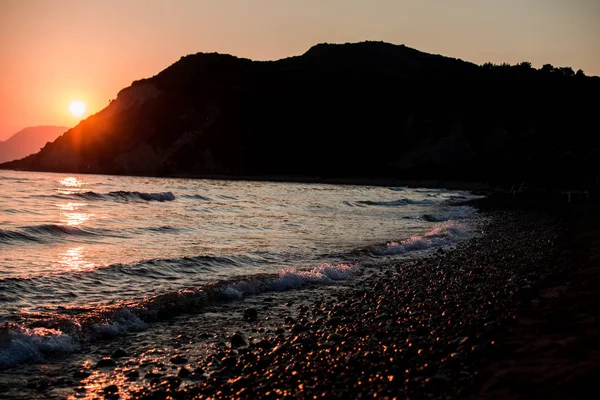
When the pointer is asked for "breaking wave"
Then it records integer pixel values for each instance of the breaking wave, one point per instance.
(63, 330)
(441, 234)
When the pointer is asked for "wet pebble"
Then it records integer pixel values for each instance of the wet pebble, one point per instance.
(106, 362)
(250, 314)
(178, 359)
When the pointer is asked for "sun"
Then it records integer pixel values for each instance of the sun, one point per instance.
(77, 108)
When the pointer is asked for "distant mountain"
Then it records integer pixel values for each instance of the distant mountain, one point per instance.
(28, 141)
(368, 109)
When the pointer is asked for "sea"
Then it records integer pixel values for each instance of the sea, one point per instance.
(88, 259)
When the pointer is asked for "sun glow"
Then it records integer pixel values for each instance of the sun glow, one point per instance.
(77, 108)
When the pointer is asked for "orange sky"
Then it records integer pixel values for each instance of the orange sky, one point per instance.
(53, 51)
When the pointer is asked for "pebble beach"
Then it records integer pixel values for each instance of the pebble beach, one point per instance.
(434, 327)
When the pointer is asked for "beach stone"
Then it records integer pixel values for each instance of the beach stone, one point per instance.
(382, 317)
(106, 362)
(250, 314)
(237, 340)
(119, 354)
(335, 337)
(440, 382)
(178, 359)
(525, 294)
(132, 375)
(81, 374)
(228, 362)
(111, 389)
(183, 373)
(299, 328)
(152, 375)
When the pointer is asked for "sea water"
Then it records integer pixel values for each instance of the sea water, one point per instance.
(86, 257)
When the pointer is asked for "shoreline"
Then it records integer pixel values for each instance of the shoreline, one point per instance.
(442, 325)
(451, 184)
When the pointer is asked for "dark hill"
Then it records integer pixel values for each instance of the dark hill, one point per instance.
(28, 141)
(369, 109)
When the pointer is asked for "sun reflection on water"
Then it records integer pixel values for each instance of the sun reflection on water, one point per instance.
(70, 185)
(74, 260)
(73, 218)
(70, 206)
(71, 181)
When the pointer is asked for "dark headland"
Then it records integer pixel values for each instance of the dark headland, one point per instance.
(351, 111)
(511, 313)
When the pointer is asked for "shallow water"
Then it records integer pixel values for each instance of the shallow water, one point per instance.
(86, 256)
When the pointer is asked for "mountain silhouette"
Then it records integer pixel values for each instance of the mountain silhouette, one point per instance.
(28, 141)
(369, 110)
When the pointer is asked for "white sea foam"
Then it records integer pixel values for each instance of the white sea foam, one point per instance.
(18, 344)
(123, 321)
(288, 278)
(441, 234)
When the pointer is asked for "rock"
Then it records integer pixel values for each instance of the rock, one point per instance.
(170, 382)
(106, 362)
(440, 382)
(81, 374)
(250, 314)
(119, 354)
(228, 362)
(183, 373)
(132, 374)
(111, 389)
(152, 375)
(382, 317)
(335, 337)
(471, 288)
(525, 294)
(237, 340)
(299, 328)
(178, 359)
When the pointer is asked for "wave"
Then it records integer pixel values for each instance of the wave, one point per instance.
(19, 344)
(58, 230)
(8, 236)
(392, 203)
(65, 329)
(150, 269)
(441, 234)
(197, 197)
(126, 196)
(46, 233)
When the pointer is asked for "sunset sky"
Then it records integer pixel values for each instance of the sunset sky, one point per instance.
(55, 51)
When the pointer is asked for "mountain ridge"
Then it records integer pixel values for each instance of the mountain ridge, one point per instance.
(28, 141)
(368, 109)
